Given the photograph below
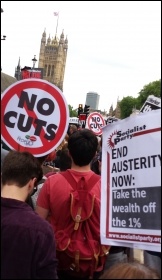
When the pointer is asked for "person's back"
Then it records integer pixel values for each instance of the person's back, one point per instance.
(55, 193)
(65, 163)
(27, 242)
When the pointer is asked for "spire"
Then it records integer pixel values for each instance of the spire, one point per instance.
(19, 62)
(62, 37)
(54, 41)
(66, 44)
(49, 40)
(44, 34)
(66, 40)
(43, 40)
(18, 71)
(18, 65)
(62, 34)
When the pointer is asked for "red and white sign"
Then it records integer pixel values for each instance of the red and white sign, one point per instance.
(35, 116)
(131, 182)
(95, 122)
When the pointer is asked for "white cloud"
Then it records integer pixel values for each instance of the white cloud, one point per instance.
(114, 46)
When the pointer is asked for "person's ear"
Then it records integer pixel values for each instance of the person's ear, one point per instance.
(32, 184)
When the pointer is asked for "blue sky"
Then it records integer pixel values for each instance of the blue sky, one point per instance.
(114, 46)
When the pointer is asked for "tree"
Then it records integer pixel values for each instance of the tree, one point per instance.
(153, 88)
(72, 112)
(126, 106)
(128, 103)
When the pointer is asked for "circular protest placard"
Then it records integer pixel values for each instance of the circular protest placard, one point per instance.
(95, 122)
(34, 116)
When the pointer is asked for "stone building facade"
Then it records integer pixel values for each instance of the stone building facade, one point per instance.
(115, 112)
(6, 81)
(52, 58)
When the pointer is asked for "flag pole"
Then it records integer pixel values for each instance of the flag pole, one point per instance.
(57, 23)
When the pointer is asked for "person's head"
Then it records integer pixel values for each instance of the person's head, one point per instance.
(51, 156)
(65, 160)
(66, 138)
(72, 128)
(65, 146)
(42, 159)
(82, 146)
(19, 168)
(96, 163)
(130, 270)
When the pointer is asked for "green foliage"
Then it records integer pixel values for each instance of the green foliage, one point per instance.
(72, 112)
(128, 103)
(153, 88)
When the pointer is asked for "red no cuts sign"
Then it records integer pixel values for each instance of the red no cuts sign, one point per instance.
(95, 122)
(34, 116)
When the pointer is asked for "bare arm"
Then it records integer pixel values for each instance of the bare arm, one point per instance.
(42, 212)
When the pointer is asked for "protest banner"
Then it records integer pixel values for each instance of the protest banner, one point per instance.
(152, 103)
(95, 122)
(74, 120)
(111, 120)
(35, 116)
(131, 182)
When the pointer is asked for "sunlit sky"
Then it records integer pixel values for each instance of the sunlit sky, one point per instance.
(114, 47)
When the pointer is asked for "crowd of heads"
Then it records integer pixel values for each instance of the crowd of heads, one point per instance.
(79, 148)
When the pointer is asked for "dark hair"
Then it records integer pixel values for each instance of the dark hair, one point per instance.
(65, 160)
(95, 163)
(130, 270)
(71, 129)
(82, 146)
(95, 166)
(42, 159)
(56, 161)
(19, 167)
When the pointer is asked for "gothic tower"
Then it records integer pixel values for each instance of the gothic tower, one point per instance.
(52, 58)
(111, 111)
(18, 71)
(117, 110)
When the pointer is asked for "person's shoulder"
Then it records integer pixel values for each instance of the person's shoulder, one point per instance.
(24, 219)
(55, 180)
(39, 224)
(87, 175)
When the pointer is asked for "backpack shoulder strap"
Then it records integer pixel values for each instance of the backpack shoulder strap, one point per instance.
(91, 182)
(67, 175)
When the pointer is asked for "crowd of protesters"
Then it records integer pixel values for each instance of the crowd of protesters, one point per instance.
(33, 193)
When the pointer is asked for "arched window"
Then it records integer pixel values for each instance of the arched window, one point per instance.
(49, 70)
(45, 70)
(52, 73)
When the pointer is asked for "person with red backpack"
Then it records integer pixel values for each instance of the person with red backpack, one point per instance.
(73, 199)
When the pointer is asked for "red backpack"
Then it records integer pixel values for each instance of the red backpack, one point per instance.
(78, 246)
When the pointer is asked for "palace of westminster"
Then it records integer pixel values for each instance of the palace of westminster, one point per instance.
(51, 64)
